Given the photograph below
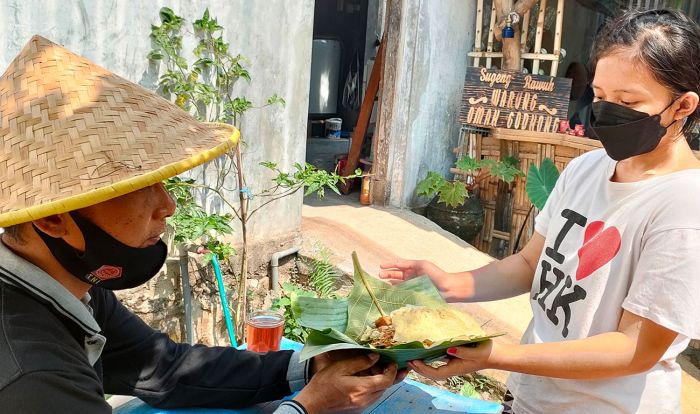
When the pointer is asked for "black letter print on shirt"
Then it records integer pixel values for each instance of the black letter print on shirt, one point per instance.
(561, 300)
(572, 218)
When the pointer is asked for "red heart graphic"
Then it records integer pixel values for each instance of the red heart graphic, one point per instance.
(599, 247)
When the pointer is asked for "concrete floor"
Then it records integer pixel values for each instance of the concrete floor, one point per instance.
(343, 225)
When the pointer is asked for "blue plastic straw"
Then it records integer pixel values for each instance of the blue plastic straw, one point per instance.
(224, 302)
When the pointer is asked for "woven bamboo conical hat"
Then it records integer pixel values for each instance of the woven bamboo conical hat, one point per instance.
(74, 134)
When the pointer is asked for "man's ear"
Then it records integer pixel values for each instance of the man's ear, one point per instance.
(56, 225)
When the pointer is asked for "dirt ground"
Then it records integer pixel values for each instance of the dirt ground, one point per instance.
(381, 234)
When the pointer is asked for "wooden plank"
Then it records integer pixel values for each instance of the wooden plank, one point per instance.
(540, 56)
(557, 37)
(380, 188)
(358, 135)
(538, 35)
(512, 99)
(479, 28)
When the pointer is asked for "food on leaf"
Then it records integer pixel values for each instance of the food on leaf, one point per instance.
(422, 324)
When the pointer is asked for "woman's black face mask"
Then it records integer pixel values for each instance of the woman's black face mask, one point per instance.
(106, 262)
(624, 132)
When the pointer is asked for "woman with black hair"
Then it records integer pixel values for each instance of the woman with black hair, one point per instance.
(613, 269)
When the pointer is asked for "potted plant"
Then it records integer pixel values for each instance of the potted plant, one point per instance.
(455, 205)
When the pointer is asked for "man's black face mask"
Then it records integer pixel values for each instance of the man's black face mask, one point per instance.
(106, 262)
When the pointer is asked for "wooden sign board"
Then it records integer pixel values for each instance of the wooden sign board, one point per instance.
(494, 98)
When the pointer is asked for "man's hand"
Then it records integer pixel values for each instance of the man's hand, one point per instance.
(345, 384)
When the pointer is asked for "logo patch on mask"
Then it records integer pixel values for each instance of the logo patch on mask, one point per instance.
(107, 272)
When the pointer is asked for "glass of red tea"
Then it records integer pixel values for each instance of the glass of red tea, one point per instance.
(264, 331)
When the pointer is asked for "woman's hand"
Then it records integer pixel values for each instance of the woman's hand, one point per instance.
(399, 270)
(465, 359)
(451, 286)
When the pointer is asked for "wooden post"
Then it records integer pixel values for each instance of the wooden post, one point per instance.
(358, 135)
(381, 186)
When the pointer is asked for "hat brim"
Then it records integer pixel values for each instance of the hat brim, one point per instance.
(122, 187)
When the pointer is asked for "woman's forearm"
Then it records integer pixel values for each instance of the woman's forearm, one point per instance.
(501, 279)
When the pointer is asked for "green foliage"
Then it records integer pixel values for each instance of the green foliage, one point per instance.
(308, 177)
(323, 276)
(506, 170)
(192, 225)
(431, 184)
(540, 182)
(475, 385)
(468, 164)
(454, 193)
(292, 329)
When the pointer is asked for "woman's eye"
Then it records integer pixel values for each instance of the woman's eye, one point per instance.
(628, 103)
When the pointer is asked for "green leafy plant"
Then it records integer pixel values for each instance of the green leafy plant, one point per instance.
(539, 185)
(323, 278)
(476, 385)
(205, 88)
(292, 329)
(455, 192)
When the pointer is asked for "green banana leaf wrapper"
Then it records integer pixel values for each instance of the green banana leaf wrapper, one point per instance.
(336, 324)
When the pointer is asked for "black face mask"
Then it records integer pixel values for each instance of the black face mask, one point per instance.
(625, 132)
(107, 262)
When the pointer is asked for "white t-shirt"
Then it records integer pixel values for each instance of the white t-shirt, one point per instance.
(613, 246)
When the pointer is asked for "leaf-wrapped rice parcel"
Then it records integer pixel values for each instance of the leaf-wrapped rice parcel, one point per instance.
(424, 324)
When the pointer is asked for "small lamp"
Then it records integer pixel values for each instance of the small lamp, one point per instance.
(508, 32)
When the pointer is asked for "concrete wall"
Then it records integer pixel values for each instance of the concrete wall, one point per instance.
(115, 34)
(429, 64)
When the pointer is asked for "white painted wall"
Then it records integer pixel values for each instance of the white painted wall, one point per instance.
(436, 36)
(275, 35)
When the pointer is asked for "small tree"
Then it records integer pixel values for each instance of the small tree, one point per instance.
(205, 88)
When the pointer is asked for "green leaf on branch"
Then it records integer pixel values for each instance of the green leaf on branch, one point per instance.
(468, 164)
(430, 184)
(453, 193)
(155, 55)
(540, 182)
(276, 100)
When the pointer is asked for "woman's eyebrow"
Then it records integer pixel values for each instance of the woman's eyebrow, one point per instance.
(619, 90)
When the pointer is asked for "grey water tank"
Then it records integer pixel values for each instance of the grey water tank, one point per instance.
(325, 72)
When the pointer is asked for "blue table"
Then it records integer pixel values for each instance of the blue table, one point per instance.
(405, 397)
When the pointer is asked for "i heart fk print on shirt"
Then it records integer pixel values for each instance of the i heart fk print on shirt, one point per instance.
(599, 246)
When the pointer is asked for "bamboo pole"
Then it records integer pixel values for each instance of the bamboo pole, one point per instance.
(557, 37)
(489, 45)
(538, 36)
(479, 28)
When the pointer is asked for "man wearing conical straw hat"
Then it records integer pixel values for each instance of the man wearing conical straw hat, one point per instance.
(82, 160)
